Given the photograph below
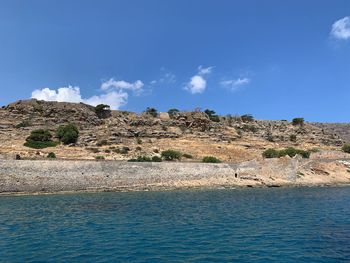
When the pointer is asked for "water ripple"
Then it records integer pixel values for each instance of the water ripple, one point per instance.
(246, 225)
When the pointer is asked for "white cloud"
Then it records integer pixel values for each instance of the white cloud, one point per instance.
(234, 84)
(198, 83)
(204, 71)
(67, 94)
(341, 28)
(115, 99)
(113, 93)
(121, 84)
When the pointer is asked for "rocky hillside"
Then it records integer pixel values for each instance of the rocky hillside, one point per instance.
(121, 135)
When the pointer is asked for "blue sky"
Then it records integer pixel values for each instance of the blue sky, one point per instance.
(273, 59)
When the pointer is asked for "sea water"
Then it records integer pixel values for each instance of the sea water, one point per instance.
(238, 225)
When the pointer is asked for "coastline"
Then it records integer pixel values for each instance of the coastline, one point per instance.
(67, 176)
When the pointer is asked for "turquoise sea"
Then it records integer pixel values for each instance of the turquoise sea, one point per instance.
(239, 225)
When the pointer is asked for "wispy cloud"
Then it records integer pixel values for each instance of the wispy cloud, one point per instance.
(112, 92)
(234, 84)
(198, 83)
(166, 78)
(122, 85)
(341, 28)
(204, 71)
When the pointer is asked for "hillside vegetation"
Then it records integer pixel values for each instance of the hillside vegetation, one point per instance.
(88, 132)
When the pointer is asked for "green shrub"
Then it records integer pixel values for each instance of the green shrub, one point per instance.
(151, 111)
(346, 148)
(210, 159)
(212, 115)
(290, 151)
(298, 121)
(188, 156)
(99, 158)
(40, 139)
(142, 159)
(39, 136)
(40, 145)
(171, 155)
(51, 155)
(156, 159)
(247, 118)
(173, 112)
(293, 138)
(139, 141)
(270, 153)
(67, 133)
(103, 111)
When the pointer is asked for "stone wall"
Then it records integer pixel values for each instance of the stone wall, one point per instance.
(59, 175)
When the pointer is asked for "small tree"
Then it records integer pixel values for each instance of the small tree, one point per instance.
(103, 111)
(171, 155)
(298, 121)
(173, 112)
(212, 115)
(151, 111)
(247, 118)
(67, 133)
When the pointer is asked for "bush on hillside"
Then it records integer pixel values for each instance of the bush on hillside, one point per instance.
(210, 159)
(156, 159)
(171, 155)
(40, 145)
(298, 121)
(146, 159)
(67, 133)
(103, 111)
(40, 139)
(290, 151)
(40, 135)
(270, 153)
(346, 148)
(51, 155)
(173, 112)
(151, 111)
(247, 118)
(212, 115)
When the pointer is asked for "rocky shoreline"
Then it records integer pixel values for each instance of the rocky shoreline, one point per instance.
(63, 176)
